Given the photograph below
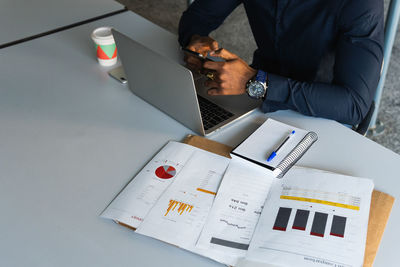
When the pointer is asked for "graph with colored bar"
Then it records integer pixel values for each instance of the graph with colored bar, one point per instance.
(206, 191)
(338, 226)
(209, 183)
(318, 226)
(180, 207)
(282, 219)
(313, 217)
(300, 221)
(341, 200)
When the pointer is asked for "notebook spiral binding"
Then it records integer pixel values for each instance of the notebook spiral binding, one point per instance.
(296, 153)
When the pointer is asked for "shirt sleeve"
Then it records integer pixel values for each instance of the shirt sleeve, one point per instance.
(358, 61)
(204, 16)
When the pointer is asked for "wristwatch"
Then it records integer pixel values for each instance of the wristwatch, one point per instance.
(257, 88)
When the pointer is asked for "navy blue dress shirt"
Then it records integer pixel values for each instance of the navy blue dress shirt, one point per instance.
(295, 38)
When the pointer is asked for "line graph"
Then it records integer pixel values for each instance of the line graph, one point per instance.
(232, 224)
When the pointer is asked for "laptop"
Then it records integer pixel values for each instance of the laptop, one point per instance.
(171, 88)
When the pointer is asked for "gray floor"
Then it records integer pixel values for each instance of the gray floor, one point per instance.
(235, 35)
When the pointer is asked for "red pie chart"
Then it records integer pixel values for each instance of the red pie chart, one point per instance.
(165, 172)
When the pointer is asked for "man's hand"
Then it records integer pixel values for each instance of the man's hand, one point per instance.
(230, 76)
(202, 45)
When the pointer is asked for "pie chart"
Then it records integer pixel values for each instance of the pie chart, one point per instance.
(165, 172)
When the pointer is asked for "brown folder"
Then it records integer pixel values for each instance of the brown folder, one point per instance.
(381, 203)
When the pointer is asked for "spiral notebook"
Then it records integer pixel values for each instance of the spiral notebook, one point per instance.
(292, 142)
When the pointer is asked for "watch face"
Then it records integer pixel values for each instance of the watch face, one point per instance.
(256, 89)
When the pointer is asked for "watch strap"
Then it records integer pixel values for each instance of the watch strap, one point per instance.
(261, 76)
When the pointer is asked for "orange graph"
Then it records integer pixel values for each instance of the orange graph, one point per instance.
(181, 207)
(206, 191)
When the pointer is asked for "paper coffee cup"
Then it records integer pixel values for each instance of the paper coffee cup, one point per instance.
(105, 46)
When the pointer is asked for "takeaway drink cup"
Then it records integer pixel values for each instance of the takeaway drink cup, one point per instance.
(105, 46)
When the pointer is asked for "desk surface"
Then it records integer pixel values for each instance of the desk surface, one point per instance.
(71, 138)
(20, 19)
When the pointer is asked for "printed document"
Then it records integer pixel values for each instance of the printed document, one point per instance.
(313, 217)
(236, 210)
(180, 213)
(135, 201)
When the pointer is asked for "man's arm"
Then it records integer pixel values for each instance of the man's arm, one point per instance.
(202, 17)
(358, 63)
(357, 69)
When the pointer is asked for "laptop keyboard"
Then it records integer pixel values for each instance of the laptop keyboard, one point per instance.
(211, 113)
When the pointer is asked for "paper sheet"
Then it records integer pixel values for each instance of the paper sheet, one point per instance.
(259, 145)
(236, 210)
(180, 213)
(313, 217)
(135, 201)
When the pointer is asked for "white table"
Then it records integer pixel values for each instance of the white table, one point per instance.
(21, 19)
(71, 138)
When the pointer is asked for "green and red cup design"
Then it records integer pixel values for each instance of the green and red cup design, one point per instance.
(106, 50)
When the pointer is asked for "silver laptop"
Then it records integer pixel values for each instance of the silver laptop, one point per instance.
(170, 87)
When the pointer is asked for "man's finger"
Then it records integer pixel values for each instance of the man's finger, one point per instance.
(212, 84)
(193, 60)
(193, 68)
(193, 63)
(214, 45)
(192, 47)
(200, 48)
(211, 65)
(225, 54)
(215, 91)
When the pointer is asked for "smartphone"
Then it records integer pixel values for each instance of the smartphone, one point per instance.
(193, 53)
(201, 57)
(118, 73)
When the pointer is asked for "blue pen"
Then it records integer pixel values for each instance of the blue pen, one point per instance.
(275, 152)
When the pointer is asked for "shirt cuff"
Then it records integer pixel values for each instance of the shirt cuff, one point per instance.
(278, 88)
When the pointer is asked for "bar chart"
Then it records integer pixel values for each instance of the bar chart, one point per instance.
(282, 219)
(313, 218)
(300, 221)
(318, 225)
(338, 226)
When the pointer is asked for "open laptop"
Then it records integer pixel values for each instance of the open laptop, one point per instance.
(170, 87)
